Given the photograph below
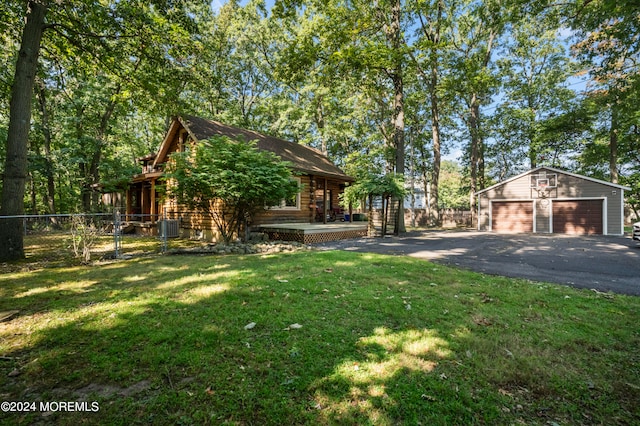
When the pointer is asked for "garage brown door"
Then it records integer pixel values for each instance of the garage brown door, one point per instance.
(577, 217)
(512, 216)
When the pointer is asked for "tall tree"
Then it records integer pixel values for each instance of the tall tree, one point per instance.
(609, 47)
(393, 32)
(92, 39)
(535, 68)
(15, 169)
(365, 42)
(473, 79)
(434, 21)
(50, 196)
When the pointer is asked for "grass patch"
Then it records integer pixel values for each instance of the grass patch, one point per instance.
(384, 340)
(55, 249)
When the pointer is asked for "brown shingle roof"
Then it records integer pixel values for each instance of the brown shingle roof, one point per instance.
(303, 158)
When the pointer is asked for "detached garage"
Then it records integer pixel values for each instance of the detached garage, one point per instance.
(548, 200)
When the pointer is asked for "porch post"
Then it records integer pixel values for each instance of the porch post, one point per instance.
(350, 212)
(325, 207)
(312, 199)
(129, 208)
(143, 202)
(153, 201)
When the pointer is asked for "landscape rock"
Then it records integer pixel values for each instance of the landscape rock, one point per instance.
(256, 247)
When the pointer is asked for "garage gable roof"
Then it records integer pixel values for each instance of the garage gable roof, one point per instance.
(551, 169)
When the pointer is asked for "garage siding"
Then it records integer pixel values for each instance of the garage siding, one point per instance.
(515, 189)
(542, 208)
(576, 188)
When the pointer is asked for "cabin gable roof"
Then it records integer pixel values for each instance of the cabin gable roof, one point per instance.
(302, 158)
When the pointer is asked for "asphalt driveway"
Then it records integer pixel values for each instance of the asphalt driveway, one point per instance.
(604, 263)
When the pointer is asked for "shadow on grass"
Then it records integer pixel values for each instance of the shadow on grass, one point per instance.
(65, 289)
(163, 340)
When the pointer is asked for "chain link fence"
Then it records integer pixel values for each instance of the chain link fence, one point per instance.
(63, 239)
(90, 237)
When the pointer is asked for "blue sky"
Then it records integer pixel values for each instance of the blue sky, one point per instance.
(217, 4)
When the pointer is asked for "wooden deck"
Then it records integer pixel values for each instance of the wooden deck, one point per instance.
(309, 233)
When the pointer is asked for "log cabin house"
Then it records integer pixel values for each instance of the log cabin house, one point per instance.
(318, 202)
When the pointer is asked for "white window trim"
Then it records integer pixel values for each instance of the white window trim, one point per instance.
(283, 206)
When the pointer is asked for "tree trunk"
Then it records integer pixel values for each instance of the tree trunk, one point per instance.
(46, 131)
(533, 144)
(33, 195)
(371, 229)
(437, 156)
(83, 166)
(482, 182)
(412, 183)
(398, 140)
(474, 131)
(477, 144)
(103, 130)
(613, 144)
(394, 36)
(433, 33)
(424, 174)
(320, 123)
(385, 214)
(15, 170)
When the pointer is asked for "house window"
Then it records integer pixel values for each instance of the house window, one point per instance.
(292, 203)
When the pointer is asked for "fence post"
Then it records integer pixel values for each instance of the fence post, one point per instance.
(164, 230)
(116, 233)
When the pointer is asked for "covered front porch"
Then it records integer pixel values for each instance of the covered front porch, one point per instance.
(142, 196)
(309, 233)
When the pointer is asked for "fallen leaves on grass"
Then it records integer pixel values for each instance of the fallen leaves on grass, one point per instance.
(480, 320)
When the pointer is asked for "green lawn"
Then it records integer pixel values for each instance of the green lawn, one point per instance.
(383, 340)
